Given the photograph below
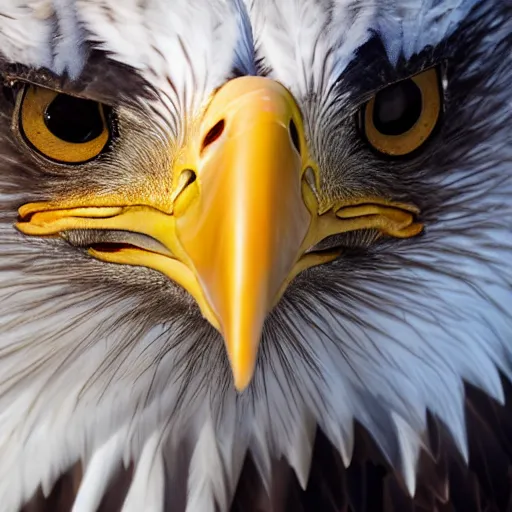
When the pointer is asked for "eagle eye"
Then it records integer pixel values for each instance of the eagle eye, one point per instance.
(401, 117)
(60, 127)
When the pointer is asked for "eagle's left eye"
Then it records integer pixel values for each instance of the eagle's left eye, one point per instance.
(60, 127)
(401, 117)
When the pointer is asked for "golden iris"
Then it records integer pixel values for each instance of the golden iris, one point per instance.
(61, 127)
(401, 117)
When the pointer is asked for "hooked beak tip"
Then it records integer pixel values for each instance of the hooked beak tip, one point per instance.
(241, 380)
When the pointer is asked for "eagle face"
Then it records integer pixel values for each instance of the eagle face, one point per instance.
(225, 224)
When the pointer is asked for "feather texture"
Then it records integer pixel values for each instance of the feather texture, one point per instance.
(382, 376)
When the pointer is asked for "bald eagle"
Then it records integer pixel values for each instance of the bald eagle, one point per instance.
(255, 255)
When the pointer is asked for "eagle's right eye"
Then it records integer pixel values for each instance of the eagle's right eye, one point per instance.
(401, 117)
(60, 127)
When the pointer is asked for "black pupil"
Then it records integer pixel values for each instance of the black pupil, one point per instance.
(74, 119)
(397, 108)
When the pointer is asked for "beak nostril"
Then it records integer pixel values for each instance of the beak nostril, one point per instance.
(294, 134)
(190, 177)
(186, 178)
(213, 134)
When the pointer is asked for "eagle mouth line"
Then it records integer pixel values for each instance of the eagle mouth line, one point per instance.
(117, 240)
(97, 228)
(114, 241)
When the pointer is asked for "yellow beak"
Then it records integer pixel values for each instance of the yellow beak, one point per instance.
(242, 217)
(243, 231)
